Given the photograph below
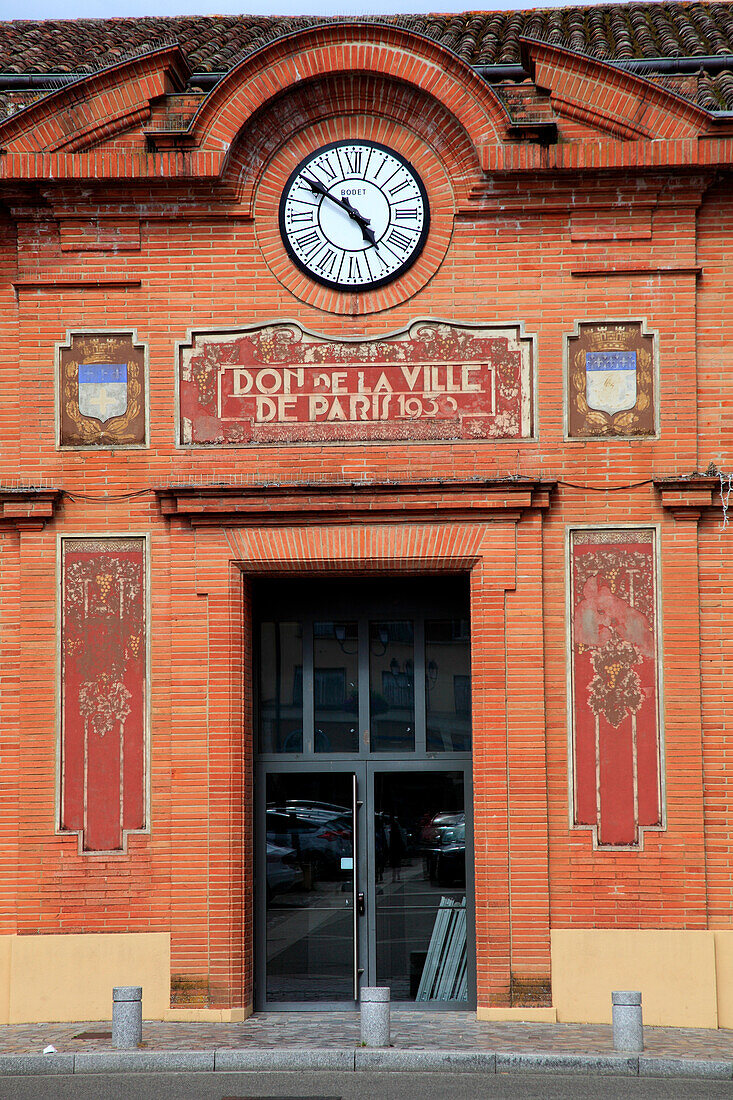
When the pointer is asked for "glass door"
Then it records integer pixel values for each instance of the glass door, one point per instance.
(365, 883)
(312, 900)
(419, 928)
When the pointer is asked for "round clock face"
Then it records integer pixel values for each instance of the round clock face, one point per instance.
(354, 215)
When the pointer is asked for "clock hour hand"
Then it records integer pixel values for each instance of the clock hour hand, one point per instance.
(361, 221)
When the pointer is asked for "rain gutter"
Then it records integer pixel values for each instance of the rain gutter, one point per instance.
(712, 63)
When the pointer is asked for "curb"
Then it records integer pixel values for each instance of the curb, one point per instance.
(282, 1058)
(145, 1061)
(345, 1060)
(599, 1065)
(451, 1061)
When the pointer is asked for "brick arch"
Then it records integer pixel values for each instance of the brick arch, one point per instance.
(347, 49)
(319, 102)
(357, 549)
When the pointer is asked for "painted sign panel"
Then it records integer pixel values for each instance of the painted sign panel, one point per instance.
(103, 679)
(102, 391)
(616, 742)
(611, 376)
(282, 384)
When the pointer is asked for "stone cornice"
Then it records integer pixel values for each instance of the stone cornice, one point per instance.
(510, 159)
(687, 497)
(354, 502)
(27, 509)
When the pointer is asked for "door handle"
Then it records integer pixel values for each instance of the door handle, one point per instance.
(360, 904)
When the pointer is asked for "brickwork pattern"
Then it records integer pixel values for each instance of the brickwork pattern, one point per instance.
(510, 258)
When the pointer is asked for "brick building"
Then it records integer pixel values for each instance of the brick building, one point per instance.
(365, 573)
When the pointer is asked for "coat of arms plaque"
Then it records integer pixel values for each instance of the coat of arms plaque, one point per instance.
(102, 391)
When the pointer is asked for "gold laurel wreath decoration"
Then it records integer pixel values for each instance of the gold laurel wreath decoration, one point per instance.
(596, 421)
(86, 426)
(625, 420)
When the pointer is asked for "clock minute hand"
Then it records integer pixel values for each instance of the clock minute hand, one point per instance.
(317, 186)
(362, 222)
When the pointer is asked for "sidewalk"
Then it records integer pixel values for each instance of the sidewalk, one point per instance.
(330, 1041)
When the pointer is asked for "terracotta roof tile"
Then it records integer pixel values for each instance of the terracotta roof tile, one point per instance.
(674, 28)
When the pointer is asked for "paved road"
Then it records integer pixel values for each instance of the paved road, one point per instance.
(356, 1086)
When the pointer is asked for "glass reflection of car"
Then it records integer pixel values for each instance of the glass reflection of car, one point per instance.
(444, 849)
(316, 811)
(320, 834)
(283, 871)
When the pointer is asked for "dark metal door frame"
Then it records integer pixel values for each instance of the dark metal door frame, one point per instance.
(450, 764)
(363, 765)
(364, 873)
(357, 769)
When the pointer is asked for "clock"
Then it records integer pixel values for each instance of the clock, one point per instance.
(354, 215)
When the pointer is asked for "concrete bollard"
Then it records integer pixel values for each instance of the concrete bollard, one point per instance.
(127, 1017)
(374, 1006)
(628, 1030)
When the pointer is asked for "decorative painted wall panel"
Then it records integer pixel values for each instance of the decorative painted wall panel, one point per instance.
(282, 384)
(616, 737)
(103, 678)
(101, 391)
(611, 380)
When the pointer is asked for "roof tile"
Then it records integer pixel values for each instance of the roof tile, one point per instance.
(212, 44)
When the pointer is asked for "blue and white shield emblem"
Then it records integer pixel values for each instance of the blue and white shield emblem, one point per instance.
(103, 390)
(610, 378)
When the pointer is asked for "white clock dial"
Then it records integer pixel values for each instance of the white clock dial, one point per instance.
(354, 215)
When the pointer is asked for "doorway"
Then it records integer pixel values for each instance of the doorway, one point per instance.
(364, 870)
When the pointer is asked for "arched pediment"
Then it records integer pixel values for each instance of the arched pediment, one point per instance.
(609, 98)
(95, 107)
(350, 100)
(338, 49)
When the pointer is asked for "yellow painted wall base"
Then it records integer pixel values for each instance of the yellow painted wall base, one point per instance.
(68, 978)
(517, 1015)
(6, 954)
(208, 1015)
(685, 978)
(675, 970)
(724, 973)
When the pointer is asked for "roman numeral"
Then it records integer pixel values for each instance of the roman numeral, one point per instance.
(376, 262)
(399, 240)
(325, 166)
(354, 268)
(408, 212)
(353, 158)
(398, 187)
(308, 242)
(301, 216)
(327, 262)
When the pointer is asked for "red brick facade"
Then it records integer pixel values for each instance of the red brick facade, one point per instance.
(132, 206)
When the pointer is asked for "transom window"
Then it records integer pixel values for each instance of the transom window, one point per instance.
(363, 667)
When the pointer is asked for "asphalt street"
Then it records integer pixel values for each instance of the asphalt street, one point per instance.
(356, 1086)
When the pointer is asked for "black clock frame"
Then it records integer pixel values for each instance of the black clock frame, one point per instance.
(399, 271)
